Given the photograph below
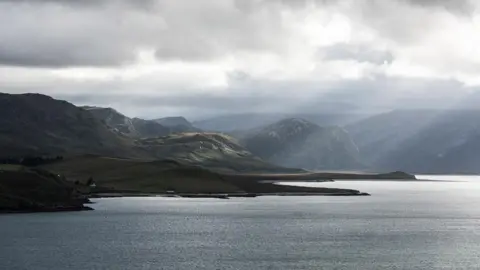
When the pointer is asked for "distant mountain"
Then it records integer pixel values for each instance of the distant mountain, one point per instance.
(296, 142)
(131, 127)
(227, 123)
(422, 141)
(177, 124)
(34, 124)
(239, 123)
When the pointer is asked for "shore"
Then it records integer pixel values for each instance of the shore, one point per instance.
(48, 210)
(252, 189)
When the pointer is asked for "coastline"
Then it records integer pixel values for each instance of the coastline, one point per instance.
(48, 210)
(223, 196)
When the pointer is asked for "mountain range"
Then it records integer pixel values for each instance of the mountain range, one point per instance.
(419, 141)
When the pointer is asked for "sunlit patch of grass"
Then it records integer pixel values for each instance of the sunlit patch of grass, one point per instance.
(10, 167)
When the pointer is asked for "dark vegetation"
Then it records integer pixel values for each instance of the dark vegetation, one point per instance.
(31, 161)
(35, 190)
(126, 176)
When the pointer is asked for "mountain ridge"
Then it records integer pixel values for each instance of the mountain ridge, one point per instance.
(296, 142)
(37, 125)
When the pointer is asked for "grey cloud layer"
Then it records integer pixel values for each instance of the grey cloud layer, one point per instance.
(59, 33)
(76, 33)
(54, 34)
(359, 53)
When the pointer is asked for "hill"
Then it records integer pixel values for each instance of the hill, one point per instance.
(135, 175)
(34, 124)
(215, 151)
(131, 127)
(177, 124)
(127, 176)
(296, 142)
(421, 141)
(35, 190)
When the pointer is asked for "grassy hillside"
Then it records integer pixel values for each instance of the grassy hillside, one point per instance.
(32, 190)
(33, 124)
(141, 175)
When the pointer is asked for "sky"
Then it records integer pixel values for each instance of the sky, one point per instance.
(156, 58)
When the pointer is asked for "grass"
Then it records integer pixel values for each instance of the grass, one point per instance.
(141, 176)
(10, 167)
(27, 189)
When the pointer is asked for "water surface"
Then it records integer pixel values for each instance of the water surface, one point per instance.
(403, 225)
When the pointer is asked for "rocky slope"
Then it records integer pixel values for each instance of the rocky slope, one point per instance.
(131, 127)
(296, 142)
(210, 150)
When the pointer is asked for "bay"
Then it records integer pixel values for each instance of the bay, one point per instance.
(403, 225)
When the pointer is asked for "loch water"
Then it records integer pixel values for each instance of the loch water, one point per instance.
(403, 225)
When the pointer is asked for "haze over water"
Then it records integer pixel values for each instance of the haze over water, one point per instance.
(403, 225)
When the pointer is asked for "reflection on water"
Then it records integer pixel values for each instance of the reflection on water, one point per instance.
(403, 225)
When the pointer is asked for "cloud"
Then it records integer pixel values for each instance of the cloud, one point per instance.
(344, 51)
(58, 33)
(154, 57)
(461, 6)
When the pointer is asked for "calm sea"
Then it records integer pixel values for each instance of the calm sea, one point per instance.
(403, 225)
